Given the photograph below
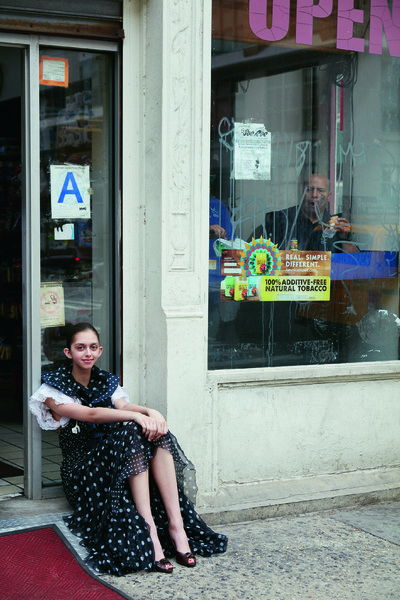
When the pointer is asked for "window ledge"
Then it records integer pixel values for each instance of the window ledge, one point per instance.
(304, 375)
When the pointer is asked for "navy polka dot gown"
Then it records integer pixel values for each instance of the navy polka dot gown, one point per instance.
(97, 462)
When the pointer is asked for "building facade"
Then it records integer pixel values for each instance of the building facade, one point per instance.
(134, 138)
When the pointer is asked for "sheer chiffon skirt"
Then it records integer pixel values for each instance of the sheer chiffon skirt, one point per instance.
(95, 472)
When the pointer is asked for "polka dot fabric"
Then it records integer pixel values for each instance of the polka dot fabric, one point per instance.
(97, 462)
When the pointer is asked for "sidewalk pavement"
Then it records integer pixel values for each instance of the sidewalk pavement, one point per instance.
(351, 554)
(346, 555)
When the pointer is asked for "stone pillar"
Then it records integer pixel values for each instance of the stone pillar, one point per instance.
(173, 74)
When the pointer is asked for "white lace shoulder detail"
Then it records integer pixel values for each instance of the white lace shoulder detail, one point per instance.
(42, 412)
(120, 392)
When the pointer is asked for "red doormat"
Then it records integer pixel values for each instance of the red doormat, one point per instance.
(40, 564)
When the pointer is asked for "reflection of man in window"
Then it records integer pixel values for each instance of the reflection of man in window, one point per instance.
(309, 226)
(311, 331)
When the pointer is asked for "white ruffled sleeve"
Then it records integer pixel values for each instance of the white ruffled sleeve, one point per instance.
(120, 392)
(42, 412)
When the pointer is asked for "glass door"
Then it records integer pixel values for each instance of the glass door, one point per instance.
(58, 230)
(77, 208)
(77, 211)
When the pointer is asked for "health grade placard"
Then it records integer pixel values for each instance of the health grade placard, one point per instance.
(295, 288)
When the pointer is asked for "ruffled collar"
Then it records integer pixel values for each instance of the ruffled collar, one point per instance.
(101, 385)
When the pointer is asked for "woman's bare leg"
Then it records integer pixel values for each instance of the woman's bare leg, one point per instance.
(163, 469)
(139, 485)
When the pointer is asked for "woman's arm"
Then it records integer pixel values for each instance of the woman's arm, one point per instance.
(101, 415)
(122, 404)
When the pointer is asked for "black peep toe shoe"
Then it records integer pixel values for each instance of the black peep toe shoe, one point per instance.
(186, 559)
(163, 566)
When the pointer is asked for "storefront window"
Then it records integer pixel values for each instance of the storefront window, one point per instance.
(304, 184)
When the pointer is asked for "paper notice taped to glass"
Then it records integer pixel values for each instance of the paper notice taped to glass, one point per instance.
(252, 147)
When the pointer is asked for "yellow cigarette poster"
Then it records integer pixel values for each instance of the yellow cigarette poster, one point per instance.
(295, 288)
(269, 274)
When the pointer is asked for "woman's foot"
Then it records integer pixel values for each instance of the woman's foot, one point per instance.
(186, 559)
(184, 556)
(163, 566)
(179, 539)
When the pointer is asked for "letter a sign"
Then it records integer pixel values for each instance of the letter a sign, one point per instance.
(70, 191)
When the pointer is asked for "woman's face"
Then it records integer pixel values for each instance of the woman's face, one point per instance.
(85, 349)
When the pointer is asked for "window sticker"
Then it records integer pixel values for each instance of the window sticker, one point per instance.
(70, 191)
(64, 232)
(53, 71)
(295, 288)
(52, 310)
(269, 274)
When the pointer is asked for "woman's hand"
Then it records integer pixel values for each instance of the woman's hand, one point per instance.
(156, 427)
(153, 426)
(161, 422)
